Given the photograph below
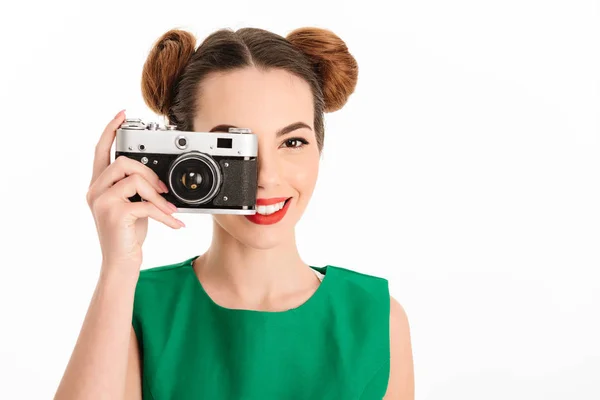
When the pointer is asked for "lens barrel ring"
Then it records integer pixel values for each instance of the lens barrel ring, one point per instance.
(213, 167)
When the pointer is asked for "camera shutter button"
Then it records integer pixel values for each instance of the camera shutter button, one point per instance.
(181, 142)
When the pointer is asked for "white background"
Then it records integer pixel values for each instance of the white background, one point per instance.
(465, 169)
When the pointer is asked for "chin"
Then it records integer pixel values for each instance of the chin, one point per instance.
(262, 242)
(260, 237)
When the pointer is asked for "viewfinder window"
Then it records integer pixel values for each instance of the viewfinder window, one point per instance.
(224, 143)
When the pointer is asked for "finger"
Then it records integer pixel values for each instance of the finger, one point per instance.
(137, 184)
(102, 152)
(120, 169)
(142, 210)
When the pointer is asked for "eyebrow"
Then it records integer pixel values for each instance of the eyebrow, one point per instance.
(280, 132)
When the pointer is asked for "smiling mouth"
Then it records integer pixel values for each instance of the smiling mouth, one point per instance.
(271, 208)
(270, 214)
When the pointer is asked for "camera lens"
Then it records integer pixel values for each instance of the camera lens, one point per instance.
(191, 180)
(194, 177)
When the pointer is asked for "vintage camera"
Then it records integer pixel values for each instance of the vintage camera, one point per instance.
(206, 172)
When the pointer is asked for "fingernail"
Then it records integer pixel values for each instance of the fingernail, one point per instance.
(181, 223)
(163, 186)
(172, 206)
(119, 113)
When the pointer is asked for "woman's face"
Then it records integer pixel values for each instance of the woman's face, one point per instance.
(288, 160)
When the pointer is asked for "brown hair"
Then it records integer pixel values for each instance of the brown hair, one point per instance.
(174, 70)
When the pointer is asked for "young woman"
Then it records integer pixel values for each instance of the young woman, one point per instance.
(248, 319)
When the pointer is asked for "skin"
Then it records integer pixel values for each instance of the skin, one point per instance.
(247, 266)
(258, 267)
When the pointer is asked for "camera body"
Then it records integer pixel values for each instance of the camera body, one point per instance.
(206, 172)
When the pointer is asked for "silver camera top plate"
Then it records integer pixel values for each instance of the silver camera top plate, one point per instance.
(135, 136)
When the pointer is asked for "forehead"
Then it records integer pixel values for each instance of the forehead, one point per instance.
(260, 100)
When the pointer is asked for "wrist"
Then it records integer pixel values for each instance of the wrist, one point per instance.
(126, 274)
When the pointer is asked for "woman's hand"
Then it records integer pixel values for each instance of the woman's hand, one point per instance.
(121, 224)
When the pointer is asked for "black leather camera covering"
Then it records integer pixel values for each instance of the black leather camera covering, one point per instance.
(238, 184)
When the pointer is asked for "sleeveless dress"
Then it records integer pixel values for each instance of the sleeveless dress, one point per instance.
(334, 346)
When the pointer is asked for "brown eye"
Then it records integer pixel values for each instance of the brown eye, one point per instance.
(295, 143)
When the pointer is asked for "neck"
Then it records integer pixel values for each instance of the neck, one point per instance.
(250, 276)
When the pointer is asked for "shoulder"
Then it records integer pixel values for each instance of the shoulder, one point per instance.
(376, 285)
(163, 274)
(398, 317)
(362, 282)
(401, 381)
(158, 287)
(362, 297)
(399, 326)
(361, 293)
(386, 319)
(163, 270)
(353, 274)
(367, 283)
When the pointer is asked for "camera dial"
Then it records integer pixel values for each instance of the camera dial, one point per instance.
(133, 123)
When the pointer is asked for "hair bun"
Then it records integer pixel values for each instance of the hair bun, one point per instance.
(335, 66)
(165, 63)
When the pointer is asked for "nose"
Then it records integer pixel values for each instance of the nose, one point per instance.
(268, 169)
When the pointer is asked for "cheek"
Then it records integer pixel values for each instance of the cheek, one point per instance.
(302, 173)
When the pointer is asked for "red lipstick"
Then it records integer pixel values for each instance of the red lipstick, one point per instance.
(271, 218)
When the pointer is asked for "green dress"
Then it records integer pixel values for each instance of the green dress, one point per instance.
(334, 346)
